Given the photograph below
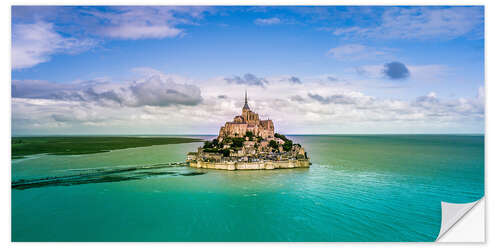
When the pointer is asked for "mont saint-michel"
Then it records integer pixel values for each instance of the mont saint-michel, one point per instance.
(247, 143)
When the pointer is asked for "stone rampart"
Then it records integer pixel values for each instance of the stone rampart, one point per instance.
(261, 165)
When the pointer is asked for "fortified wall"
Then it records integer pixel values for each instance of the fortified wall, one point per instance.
(265, 165)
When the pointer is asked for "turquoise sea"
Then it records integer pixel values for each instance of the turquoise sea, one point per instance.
(359, 188)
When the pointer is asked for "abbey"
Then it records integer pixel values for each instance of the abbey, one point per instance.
(248, 143)
(248, 121)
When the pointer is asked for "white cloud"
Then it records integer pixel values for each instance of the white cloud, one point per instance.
(346, 51)
(267, 21)
(352, 52)
(371, 71)
(421, 23)
(430, 71)
(146, 71)
(140, 31)
(35, 43)
(145, 22)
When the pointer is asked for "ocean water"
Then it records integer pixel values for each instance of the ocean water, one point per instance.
(359, 188)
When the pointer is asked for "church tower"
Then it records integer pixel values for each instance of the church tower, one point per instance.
(246, 110)
(249, 116)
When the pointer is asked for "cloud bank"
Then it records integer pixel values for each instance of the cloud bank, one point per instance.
(170, 104)
(155, 90)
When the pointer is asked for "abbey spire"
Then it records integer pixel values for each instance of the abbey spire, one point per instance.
(246, 102)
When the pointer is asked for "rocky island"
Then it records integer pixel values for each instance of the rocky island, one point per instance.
(249, 143)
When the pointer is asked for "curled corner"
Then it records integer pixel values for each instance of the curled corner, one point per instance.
(451, 213)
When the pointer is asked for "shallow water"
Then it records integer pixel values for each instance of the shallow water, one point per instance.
(359, 188)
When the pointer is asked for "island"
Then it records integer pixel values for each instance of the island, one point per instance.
(248, 143)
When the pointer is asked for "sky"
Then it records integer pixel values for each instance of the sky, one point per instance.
(185, 69)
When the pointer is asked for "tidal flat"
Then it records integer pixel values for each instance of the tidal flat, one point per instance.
(77, 145)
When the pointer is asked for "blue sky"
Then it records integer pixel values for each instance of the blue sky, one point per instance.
(145, 69)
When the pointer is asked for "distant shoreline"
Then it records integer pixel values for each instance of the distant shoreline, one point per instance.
(77, 145)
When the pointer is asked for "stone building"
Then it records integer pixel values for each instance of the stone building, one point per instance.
(247, 121)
